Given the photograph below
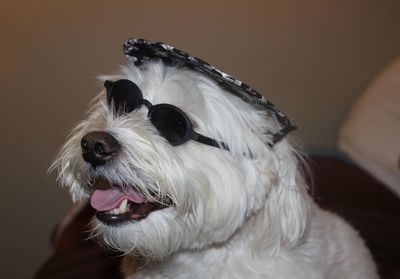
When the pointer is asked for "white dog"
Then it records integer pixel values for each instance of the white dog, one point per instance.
(197, 182)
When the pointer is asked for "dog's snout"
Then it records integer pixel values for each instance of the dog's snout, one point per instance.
(98, 147)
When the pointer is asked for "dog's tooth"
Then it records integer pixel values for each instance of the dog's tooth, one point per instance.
(123, 206)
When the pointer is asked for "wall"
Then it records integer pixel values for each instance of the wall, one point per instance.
(311, 58)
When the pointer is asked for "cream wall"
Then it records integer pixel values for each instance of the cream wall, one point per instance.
(311, 58)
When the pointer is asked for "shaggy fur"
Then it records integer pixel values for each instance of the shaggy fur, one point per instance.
(243, 213)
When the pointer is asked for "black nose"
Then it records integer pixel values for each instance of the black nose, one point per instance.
(98, 147)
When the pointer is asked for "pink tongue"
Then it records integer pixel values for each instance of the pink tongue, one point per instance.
(109, 199)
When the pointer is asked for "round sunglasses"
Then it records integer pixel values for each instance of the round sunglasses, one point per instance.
(172, 123)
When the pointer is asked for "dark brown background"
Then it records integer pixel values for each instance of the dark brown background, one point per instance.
(311, 58)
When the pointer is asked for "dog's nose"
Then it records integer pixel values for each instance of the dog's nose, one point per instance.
(98, 147)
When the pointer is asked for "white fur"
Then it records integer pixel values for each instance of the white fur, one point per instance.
(243, 213)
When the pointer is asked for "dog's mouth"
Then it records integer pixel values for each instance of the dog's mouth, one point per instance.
(116, 205)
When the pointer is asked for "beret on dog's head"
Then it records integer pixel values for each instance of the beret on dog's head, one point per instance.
(140, 51)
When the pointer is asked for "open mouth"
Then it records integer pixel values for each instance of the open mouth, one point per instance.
(115, 205)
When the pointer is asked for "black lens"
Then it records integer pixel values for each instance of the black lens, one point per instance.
(171, 123)
(125, 95)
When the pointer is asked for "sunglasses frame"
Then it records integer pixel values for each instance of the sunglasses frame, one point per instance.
(190, 133)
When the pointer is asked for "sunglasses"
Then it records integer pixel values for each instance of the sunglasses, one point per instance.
(172, 123)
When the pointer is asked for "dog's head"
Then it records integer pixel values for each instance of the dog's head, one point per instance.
(170, 160)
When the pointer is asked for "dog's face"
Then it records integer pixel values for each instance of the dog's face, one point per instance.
(154, 196)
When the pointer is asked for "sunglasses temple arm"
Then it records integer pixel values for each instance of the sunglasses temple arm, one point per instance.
(209, 141)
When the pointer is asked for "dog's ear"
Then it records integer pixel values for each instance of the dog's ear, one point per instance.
(288, 203)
